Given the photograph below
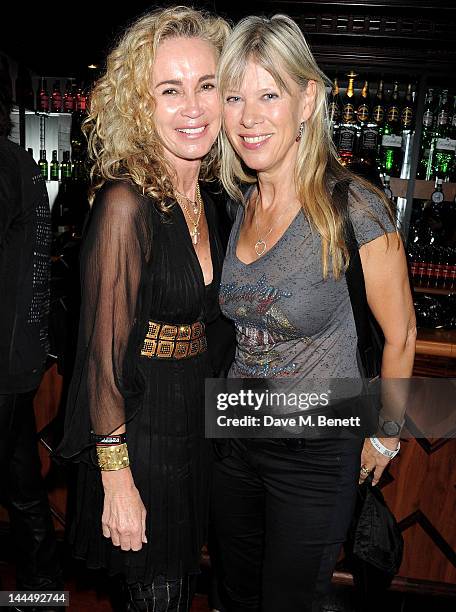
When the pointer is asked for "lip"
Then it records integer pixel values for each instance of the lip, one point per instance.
(254, 145)
(192, 135)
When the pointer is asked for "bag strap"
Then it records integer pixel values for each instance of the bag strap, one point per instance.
(368, 332)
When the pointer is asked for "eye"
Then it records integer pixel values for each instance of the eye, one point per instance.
(169, 92)
(231, 99)
(270, 96)
(207, 86)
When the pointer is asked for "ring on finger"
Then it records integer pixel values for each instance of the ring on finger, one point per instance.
(365, 471)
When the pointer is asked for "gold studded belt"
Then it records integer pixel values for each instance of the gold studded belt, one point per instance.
(166, 341)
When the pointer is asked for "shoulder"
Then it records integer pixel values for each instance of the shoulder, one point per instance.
(370, 213)
(120, 200)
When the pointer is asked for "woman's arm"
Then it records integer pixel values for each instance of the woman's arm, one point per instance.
(111, 267)
(388, 294)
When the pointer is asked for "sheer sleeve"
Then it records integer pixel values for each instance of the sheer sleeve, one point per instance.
(106, 386)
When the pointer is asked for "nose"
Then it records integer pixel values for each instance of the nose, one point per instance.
(192, 107)
(250, 115)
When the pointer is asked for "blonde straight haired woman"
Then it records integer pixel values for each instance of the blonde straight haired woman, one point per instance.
(151, 264)
(282, 508)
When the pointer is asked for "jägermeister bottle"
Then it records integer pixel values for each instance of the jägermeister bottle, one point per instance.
(66, 167)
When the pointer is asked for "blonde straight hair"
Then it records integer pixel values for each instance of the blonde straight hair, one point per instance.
(123, 142)
(278, 45)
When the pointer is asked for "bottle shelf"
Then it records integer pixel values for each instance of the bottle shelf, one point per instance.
(423, 189)
(434, 290)
(437, 342)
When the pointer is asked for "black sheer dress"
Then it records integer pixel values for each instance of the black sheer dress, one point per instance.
(138, 265)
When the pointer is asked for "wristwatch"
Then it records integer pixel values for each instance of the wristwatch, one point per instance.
(391, 429)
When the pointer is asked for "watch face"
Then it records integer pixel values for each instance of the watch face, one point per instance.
(391, 428)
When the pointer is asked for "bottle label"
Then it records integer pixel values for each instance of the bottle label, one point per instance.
(437, 197)
(370, 139)
(428, 118)
(393, 114)
(378, 113)
(442, 118)
(363, 112)
(407, 116)
(391, 140)
(346, 139)
(445, 144)
(348, 114)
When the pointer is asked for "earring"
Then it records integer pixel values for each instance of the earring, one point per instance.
(301, 130)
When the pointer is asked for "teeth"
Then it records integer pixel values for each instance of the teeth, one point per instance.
(192, 130)
(254, 139)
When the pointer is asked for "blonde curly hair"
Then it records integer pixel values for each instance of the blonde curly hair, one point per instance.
(123, 142)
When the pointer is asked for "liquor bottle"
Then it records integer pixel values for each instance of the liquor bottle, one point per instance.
(453, 137)
(387, 187)
(391, 144)
(407, 126)
(56, 98)
(368, 134)
(68, 100)
(81, 101)
(424, 169)
(407, 116)
(66, 167)
(335, 110)
(55, 166)
(348, 128)
(378, 108)
(442, 145)
(42, 99)
(43, 165)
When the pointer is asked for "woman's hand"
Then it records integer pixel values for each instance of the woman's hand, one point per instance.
(124, 514)
(373, 461)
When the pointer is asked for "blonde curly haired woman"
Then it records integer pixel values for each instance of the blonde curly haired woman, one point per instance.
(151, 264)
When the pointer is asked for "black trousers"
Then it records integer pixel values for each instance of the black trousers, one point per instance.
(279, 518)
(22, 492)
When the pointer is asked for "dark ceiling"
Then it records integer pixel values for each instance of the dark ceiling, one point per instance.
(61, 39)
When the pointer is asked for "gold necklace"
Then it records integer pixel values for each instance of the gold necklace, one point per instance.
(260, 245)
(197, 209)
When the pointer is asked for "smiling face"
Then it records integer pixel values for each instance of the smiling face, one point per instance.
(262, 121)
(187, 105)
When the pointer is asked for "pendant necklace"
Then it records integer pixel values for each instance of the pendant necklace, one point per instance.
(197, 208)
(260, 245)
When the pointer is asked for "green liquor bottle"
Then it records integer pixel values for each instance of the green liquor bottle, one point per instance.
(55, 167)
(391, 144)
(443, 144)
(66, 167)
(43, 165)
(424, 170)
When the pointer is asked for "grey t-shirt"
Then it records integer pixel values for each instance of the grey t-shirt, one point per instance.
(289, 320)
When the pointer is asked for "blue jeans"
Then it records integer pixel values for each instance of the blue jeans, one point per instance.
(279, 517)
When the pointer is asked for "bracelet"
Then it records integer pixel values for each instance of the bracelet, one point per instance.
(110, 439)
(386, 452)
(111, 458)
